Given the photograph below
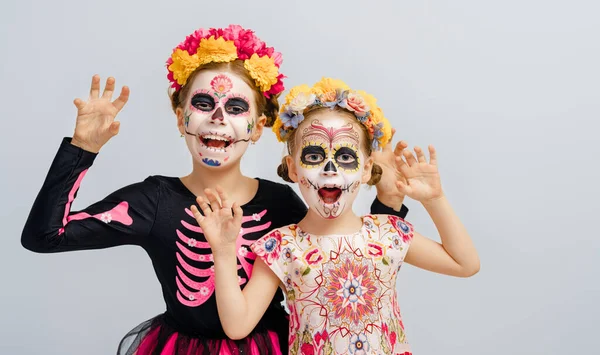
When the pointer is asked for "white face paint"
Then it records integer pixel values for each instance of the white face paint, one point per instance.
(219, 118)
(329, 164)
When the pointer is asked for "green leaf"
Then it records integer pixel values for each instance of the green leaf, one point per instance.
(306, 271)
(385, 262)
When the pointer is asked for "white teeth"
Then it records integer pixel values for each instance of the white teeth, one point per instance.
(216, 138)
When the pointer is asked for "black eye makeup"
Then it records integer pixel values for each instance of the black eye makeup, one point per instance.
(203, 102)
(346, 158)
(312, 155)
(237, 106)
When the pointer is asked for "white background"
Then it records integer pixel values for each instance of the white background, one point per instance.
(507, 91)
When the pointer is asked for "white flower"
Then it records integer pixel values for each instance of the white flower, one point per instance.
(256, 217)
(301, 102)
(106, 217)
(191, 242)
(204, 291)
(242, 251)
(191, 297)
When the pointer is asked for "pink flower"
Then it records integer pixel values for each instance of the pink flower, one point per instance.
(375, 250)
(247, 44)
(393, 338)
(314, 256)
(307, 349)
(268, 247)
(276, 88)
(232, 32)
(278, 58)
(221, 84)
(217, 32)
(356, 103)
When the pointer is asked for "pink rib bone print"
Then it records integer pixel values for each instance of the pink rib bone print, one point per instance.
(118, 214)
(194, 293)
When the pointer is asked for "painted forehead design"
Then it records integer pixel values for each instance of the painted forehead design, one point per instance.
(317, 132)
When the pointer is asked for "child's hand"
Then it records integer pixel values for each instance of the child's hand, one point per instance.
(387, 191)
(422, 178)
(221, 222)
(95, 123)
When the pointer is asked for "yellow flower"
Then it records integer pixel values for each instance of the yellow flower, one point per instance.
(387, 132)
(183, 65)
(262, 70)
(216, 50)
(295, 91)
(327, 85)
(276, 128)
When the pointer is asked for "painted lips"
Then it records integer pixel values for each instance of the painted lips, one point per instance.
(217, 142)
(330, 195)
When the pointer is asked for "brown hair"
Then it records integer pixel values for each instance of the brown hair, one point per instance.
(376, 171)
(268, 107)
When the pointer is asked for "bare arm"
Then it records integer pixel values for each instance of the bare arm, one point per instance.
(240, 310)
(456, 255)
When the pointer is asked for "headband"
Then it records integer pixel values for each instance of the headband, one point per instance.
(330, 93)
(222, 45)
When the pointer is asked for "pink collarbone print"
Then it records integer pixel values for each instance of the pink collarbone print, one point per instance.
(194, 293)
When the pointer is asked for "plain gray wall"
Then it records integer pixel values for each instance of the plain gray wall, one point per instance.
(507, 91)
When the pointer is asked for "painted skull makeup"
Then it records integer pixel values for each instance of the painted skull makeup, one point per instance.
(219, 118)
(329, 165)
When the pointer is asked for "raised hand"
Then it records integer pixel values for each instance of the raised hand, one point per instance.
(220, 221)
(422, 178)
(96, 123)
(387, 190)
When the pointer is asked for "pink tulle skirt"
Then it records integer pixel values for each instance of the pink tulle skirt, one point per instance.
(155, 337)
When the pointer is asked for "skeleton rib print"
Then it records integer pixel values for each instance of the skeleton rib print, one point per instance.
(195, 270)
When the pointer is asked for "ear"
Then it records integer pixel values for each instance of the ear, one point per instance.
(366, 175)
(180, 124)
(258, 128)
(292, 171)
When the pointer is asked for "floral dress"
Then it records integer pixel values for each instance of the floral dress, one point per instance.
(341, 289)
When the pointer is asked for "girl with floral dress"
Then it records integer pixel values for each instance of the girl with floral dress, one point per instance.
(338, 269)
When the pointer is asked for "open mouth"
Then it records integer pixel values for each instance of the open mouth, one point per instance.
(216, 142)
(330, 195)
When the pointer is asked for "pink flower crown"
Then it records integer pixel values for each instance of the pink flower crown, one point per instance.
(222, 45)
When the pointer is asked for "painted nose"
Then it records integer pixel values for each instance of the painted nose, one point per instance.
(218, 115)
(330, 169)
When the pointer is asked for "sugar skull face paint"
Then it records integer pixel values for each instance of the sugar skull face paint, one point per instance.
(219, 118)
(329, 165)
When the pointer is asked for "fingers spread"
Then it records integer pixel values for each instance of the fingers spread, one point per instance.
(109, 88)
(79, 103)
(95, 87)
(206, 210)
(400, 147)
(420, 155)
(432, 155)
(223, 196)
(410, 158)
(199, 217)
(120, 102)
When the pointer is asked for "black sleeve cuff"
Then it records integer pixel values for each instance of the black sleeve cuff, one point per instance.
(84, 157)
(379, 208)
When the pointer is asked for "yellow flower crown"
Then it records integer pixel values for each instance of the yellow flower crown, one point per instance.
(222, 45)
(330, 93)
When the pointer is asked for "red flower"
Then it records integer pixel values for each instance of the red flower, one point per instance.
(374, 250)
(307, 349)
(393, 338)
